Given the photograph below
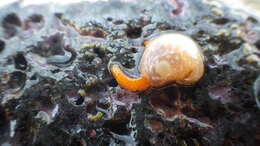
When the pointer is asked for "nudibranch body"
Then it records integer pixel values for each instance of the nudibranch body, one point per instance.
(168, 58)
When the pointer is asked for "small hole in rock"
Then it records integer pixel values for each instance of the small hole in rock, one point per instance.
(11, 19)
(36, 18)
(20, 61)
(252, 19)
(109, 18)
(3, 119)
(134, 32)
(10, 24)
(34, 77)
(112, 83)
(55, 71)
(257, 44)
(118, 22)
(99, 52)
(134, 50)
(17, 79)
(58, 15)
(80, 100)
(221, 21)
(34, 21)
(2, 45)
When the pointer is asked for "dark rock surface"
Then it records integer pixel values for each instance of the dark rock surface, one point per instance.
(55, 88)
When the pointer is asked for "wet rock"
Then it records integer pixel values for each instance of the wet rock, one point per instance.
(56, 89)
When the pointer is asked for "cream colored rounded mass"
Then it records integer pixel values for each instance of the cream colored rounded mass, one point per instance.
(172, 58)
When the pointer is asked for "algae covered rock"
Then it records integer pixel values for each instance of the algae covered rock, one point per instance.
(56, 89)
